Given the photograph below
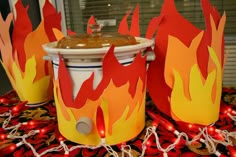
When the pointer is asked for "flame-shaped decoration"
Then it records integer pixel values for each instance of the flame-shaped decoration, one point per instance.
(185, 79)
(52, 20)
(123, 119)
(22, 58)
(91, 21)
(134, 27)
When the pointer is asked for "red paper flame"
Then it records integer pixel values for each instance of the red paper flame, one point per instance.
(22, 27)
(90, 22)
(134, 28)
(52, 19)
(112, 70)
(66, 84)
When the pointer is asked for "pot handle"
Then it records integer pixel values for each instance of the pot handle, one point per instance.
(47, 58)
(150, 56)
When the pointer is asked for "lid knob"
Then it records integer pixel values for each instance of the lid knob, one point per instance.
(96, 28)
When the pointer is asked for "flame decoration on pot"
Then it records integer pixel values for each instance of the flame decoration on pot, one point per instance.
(185, 80)
(123, 119)
(22, 58)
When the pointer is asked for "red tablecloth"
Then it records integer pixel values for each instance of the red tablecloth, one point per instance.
(44, 117)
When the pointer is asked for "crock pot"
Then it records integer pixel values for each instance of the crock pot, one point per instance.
(81, 63)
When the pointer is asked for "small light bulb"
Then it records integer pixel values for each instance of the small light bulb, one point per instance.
(102, 133)
(42, 131)
(148, 143)
(170, 128)
(155, 124)
(3, 136)
(15, 109)
(211, 129)
(4, 100)
(60, 138)
(13, 147)
(31, 123)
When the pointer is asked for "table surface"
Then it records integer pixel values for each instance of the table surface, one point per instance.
(45, 117)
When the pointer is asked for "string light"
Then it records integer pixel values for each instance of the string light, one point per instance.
(225, 109)
(42, 131)
(9, 149)
(46, 130)
(210, 133)
(226, 137)
(161, 120)
(148, 142)
(205, 132)
(65, 148)
(4, 100)
(208, 141)
(231, 116)
(155, 123)
(19, 107)
(3, 136)
(125, 149)
(190, 126)
(232, 150)
(61, 138)
(228, 111)
(217, 153)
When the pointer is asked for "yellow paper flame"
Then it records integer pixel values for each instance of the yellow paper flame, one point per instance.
(126, 126)
(26, 90)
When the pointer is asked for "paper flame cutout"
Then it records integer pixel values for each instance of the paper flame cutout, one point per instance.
(91, 21)
(134, 27)
(120, 94)
(22, 59)
(183, 81)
